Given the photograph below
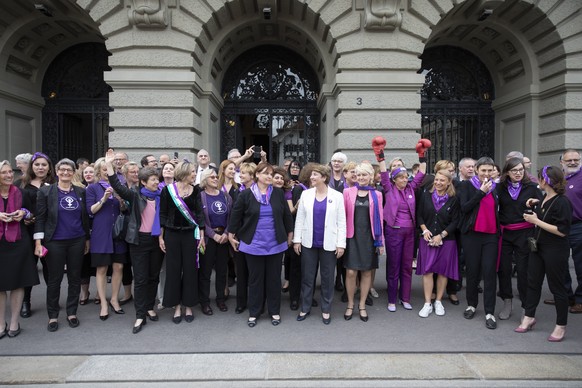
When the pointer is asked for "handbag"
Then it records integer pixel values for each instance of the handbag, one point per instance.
(532, 242)
(120, 226)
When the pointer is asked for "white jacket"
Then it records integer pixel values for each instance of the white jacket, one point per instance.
(334, 235)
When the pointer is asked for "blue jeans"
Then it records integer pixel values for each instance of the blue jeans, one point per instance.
(575, 238)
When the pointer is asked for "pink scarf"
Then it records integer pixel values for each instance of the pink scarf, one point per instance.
(11, 230)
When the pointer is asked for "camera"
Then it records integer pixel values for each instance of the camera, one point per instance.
(267, 13)
(257, 152)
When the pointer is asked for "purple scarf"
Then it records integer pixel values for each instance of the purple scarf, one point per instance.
(105, 185)
(377, 221)
(263, 200)
(155, 195)
(477, 183)
(11, 230)
(439, 200)
(514, 189)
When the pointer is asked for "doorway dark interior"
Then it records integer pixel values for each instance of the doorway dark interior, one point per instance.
(75, 119)
(270, 100)
(456, 105)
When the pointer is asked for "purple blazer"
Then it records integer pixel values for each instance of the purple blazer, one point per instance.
(393, 197)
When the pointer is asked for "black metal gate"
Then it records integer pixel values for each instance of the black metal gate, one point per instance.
(277, 90)
(456, 105)
(75, 119)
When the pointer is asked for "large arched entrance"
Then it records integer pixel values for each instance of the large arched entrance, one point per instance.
(456, 105)
(270, 96)
(76, 114)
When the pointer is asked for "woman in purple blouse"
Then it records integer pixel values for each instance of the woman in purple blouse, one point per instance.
(105, 206)
(261, 227)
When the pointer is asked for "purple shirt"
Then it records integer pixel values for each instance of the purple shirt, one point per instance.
(403, 216)
(102, 232)
(574, 194)
(262, 244)
(70, 223)
(319, 209)
(217, 210)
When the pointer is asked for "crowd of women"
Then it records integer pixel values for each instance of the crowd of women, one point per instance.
(112, 218)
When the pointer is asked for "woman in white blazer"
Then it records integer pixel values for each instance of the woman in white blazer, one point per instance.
(320, 238)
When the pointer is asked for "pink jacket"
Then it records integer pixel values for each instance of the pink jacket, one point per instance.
(350, 195)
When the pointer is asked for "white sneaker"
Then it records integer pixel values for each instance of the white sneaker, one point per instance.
(439, 309)
(426, 310)
(374, 293)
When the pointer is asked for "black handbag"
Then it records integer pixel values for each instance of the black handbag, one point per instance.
(120, 226)
(532, 242)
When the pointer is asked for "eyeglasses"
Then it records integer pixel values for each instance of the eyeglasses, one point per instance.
(517, 171)
(571, 160)
(202, 156)
(66, 170)
(337, 161)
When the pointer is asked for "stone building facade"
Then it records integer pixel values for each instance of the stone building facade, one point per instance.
(301, 77)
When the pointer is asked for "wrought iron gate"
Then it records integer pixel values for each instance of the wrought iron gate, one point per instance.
(456, 105)
(279, 89)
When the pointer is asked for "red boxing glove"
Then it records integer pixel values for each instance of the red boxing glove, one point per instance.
(421, 147)
(378, 144)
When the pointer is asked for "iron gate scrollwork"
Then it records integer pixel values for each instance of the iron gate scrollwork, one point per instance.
(279, 89)
(456, 105)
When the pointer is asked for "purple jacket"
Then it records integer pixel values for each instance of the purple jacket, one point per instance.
(392, 197)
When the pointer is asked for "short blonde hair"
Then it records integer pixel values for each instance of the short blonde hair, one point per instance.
(205, 175)
(367, 169)
(182, 170)
(350, 166)
(99, 163)
(248, 168)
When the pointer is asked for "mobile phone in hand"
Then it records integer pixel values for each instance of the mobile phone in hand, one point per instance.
(257, 152)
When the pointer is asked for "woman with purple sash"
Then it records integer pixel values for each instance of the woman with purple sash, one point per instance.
(514, 189)
(261, 227)
(105, 206)
(437, 215)
(182, 221)
(16, 261)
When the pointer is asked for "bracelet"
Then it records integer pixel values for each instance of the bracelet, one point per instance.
(442, 235)
(425, 231)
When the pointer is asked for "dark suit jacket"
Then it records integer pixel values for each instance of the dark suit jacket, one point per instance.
(245, 216)
(47, 212)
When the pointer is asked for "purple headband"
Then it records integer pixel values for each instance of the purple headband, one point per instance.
(397, 171)
(39, 155)
(546, 177)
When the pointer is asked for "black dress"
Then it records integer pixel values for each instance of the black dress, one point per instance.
(361, 253)
(17, 264)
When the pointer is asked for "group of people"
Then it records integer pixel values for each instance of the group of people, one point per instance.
(184, 220)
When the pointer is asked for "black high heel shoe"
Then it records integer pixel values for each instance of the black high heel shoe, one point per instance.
(3, 334)
(364, 318)
(120, 311)
(346, 316)
(137, 329)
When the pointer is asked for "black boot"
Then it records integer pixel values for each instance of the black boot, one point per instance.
(25, 310)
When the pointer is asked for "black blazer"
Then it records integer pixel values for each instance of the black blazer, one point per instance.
(47, 212)
(446, 219)
(245, 216)
(470, 201)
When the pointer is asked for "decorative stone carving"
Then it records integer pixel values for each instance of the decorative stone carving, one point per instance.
(148, 13)
(23, 69)
(382, 15)
(22, 43)
(477, 42)
(513, 71)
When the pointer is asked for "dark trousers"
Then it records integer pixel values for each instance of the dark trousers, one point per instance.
(553, 262)
(264, 275)
(514, 246)
(311, 259)
(481, 259)
(127, 278)
(28, 290)
(147, 260)
(294, 276)
(575, 239)
(61, 253)
(181, 268)
(242, 279)
(215, 256)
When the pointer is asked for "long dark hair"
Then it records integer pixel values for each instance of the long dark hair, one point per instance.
(29, 175)
(555, 175)
(298, 163)
(510, 165)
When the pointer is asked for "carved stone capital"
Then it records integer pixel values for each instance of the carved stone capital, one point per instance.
(382, 15)
(148, 13)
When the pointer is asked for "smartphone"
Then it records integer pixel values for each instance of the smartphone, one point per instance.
(528, 211)
(257, 152)
(175, 154)
(44, 251)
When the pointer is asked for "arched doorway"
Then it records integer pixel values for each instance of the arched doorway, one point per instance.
(456, 105)
(76, 115)
(270, 100)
